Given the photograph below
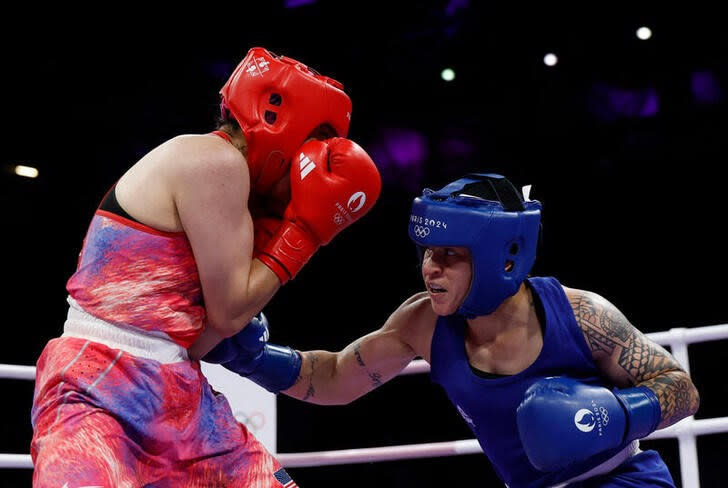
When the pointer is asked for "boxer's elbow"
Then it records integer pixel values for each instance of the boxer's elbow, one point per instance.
(693, 394)
(687, 390)
(677, 394)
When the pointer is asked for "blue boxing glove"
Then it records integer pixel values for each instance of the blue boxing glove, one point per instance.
(249, 354)
(247, 343)
(562, 420)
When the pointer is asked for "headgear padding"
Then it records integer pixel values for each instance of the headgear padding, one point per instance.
(487, 215)
(278, 103)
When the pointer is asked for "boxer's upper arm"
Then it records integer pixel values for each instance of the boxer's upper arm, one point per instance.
(623, 354)
(383, 354)
(210, 190)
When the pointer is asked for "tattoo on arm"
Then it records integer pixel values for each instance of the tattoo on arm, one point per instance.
(310, 390)
(610, 335)
(376, 378)
(677, 395)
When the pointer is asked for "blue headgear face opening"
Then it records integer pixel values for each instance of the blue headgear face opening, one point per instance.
(487, 215)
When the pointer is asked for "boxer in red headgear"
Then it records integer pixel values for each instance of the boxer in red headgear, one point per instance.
(279, 102)
(120, 399)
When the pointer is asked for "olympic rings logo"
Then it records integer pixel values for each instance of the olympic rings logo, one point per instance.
(422, 231)
(254, 421)
(605, 415)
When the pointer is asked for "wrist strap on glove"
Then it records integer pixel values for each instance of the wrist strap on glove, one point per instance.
(643, 411)
(288, 251)
(278, 368)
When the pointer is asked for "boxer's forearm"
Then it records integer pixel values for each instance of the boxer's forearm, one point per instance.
(207, 340)
(677, 395)
(321, 381)
(328, 378)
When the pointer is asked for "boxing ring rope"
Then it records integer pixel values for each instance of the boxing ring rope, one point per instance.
(685, 431)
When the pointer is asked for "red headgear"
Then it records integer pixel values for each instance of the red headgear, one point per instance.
(278, 103)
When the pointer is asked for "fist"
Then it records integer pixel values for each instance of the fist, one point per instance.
(333, 184)
(562, 420)
(246, 345)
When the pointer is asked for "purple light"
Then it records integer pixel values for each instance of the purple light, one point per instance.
(705, 87)
(454, 5)
(405, 148)
(457, 148)
(609, 103)
(400, 156)
(298, 3)
(651, 104)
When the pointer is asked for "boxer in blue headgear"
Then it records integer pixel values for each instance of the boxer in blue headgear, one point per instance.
(555, 382)
(485, 214)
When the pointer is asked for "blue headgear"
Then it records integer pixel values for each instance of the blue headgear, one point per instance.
(486, 214)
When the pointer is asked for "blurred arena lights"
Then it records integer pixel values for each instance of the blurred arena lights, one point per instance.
(298, 3)
(447, 74)
(26, 171)
(610, 102)
(705, 87)
(644, 33)
(550, 59)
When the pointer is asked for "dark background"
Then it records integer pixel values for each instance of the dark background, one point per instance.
(623, 141)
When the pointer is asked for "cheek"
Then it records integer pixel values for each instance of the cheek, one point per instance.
(465, 277)
(424, 266)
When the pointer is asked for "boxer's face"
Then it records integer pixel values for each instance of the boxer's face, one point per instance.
(447, 272)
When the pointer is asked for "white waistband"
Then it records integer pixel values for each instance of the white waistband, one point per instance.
(138, 343)
(630, 450)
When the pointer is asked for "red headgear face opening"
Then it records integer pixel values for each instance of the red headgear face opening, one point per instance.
(278, 103)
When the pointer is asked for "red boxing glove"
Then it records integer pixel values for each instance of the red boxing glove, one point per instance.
(333, 184)
(264, 229)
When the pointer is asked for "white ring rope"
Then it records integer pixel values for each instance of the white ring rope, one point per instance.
(673, 336)
(13, 371)
(686, 428)
(15, 461)
(414, 451)
(375, 454)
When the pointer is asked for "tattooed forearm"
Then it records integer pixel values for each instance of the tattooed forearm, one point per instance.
(628, 356)
(376, 378)
(310, 390)
(677, 394)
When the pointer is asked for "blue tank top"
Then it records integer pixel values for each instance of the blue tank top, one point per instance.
(489, 405)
